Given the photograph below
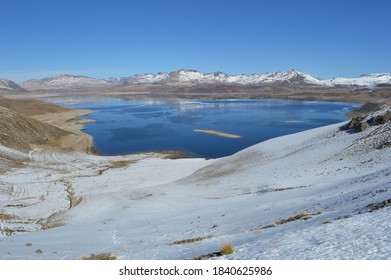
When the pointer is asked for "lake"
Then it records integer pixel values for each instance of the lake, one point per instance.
(210, 128)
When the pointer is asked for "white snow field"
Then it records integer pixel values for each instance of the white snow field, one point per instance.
(318, 194)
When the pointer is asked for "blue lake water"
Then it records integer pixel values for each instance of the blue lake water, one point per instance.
(127, 126)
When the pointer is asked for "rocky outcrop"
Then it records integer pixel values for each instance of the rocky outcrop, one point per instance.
(357, 124)
(360, 123)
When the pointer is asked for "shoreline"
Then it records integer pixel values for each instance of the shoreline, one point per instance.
(323, 96)
(77, 140)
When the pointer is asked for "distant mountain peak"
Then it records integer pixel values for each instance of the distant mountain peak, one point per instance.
(8, 85)
(64, 81)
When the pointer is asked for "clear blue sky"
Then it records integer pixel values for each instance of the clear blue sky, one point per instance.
(121, 38)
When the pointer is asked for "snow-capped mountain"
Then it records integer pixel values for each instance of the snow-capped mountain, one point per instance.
(191, 78)
(7, 85)
(370, 80)
(64, 82)
(186, 77)
(293, 77)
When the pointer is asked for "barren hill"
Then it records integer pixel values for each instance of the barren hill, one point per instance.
(30, 107)
(25, 123)
(20, 132)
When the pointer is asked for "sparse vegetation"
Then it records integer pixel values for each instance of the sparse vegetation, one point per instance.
(377, 206)
(227, 249)
(122, 163)
(52, 142)
(39, 251)
(304, 215)
(10, 232)
(103, 256)
(6, 217)
(344, 217)
(191, 240)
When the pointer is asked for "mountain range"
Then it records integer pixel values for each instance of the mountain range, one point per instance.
(192, 79)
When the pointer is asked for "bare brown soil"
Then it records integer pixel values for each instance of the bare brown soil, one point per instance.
(67, 121)
(28, 122)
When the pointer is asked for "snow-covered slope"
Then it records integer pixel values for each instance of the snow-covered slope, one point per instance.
(7, 85)
(64, 82)
(319, 194)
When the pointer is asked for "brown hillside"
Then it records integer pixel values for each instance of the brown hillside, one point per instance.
(20, 132)
(30, 107)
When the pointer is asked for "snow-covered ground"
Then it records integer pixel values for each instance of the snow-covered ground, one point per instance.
(318, 194)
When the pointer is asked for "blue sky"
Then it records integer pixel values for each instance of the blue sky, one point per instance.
(120, 38)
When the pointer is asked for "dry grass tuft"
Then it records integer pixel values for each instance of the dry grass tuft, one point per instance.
(101, 257)
(227, 249)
